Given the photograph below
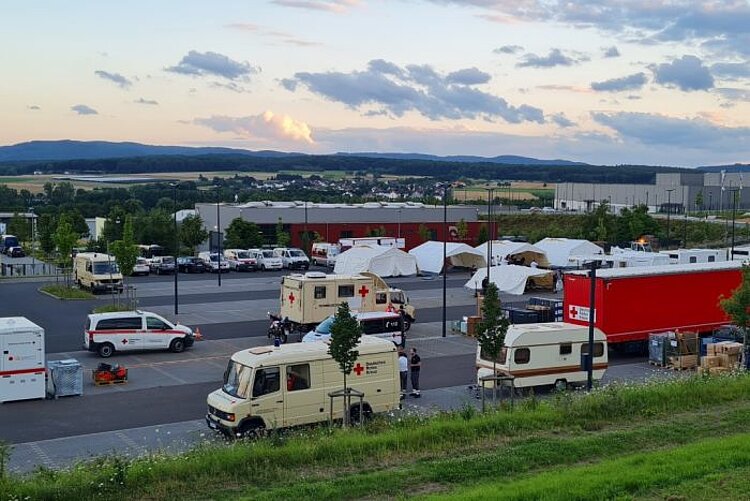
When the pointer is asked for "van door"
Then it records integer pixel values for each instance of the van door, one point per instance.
(305, 399)
(267, 401)
(129, 334)
(157, 335)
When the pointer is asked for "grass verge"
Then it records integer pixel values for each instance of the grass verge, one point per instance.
(109, 307)
(63, 292)
(417, 454)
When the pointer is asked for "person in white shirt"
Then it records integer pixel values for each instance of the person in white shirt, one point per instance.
(403, 370)
(534, 264)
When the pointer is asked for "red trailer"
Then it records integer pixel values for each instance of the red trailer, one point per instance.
(633, 302)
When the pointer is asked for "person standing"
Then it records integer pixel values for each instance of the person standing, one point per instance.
(403, 369)
(416, 364)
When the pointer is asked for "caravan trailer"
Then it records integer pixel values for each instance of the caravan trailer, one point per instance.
(689, 256)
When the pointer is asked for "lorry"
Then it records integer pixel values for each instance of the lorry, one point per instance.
(631, 303)
(97, 272)
(545, 354)
(307, 300)
(22, 364)
(271, 387)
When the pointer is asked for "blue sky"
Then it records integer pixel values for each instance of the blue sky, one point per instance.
(602, 81)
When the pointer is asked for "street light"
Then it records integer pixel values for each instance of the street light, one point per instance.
(176, 248)
(669, 211)
(445, 253)
(592, 313)
(734, 215)
(218, 238)
(490, 192)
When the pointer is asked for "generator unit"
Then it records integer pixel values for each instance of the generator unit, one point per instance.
(22, 368)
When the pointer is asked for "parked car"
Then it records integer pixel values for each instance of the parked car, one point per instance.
(141, 267)
(241, 260)
(106, 333)
(266, 259)
(190, 264)
(324, 253)
(292, 258)
(162, 264)
(16, 252)
(213, 263)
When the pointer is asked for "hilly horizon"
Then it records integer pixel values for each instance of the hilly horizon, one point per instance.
(63, 150)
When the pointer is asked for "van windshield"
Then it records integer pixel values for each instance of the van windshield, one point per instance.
(10, 242)
(243, 255)
(237, 380)
(105, 268)
(325, 326)
(296, 253)
(268, 253)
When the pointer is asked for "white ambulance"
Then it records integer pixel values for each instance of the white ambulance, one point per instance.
(545, 354)
(279, 387)
(107, 333)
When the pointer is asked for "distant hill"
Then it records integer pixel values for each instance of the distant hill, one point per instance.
(92, 150)
(728, 168)
(501, 159)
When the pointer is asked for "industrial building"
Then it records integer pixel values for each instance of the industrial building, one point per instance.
(673, 192)
(335, 221)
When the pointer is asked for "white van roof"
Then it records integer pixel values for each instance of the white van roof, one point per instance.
(550, 332)
(95, 256)
(263, 356)
(320, 276)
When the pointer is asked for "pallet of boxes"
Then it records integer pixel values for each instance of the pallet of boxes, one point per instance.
(682, 350)
(721, 357)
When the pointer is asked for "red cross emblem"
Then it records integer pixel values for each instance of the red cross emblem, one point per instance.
(363, 291)
(573, 311)
(291, 297)
(359, 369)
(124, 341)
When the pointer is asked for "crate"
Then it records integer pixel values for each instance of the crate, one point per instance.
(705, 342)
(522, 315)
(683, 362)
(711, 361)
(555, 306)
(657, 348)
(66, 378)
(472, 323)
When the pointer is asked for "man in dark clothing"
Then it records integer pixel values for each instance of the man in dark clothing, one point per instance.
(415, 364)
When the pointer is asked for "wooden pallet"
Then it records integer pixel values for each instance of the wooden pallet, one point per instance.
(679, 368)
(115, 381)
(656, 364)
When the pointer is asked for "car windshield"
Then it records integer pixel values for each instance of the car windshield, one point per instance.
(397, 297)
(11, 242)
(296, 253)
(141, 261)
(243, 255)
(325, 326)
(237, 380)
(104, 268)
(167, 260)
(268, 254)
(214, 258)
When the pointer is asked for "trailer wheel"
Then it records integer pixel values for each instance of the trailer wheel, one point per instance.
(177, 345)
(105, 350)
(561, 384)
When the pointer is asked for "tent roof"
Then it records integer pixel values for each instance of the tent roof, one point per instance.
(508, 278)
(559, 250)
(504, 248)
(430, 254)
(383, 261)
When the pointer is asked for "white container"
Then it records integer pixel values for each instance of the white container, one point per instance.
(22, 369)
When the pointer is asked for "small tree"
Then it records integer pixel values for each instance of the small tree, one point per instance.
(126, 250)
(65, 239)
(462, 229)
(192, 233)
(699, 200)
(424, 233)
(46, 233)
(345, 335)
(282, 237)
(492, 328)
(737, 308)
(484, 235)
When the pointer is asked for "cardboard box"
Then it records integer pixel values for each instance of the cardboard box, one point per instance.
(472, 324)
(731, 348)
(684, 361)
(710, 361)
(711, 349)
(717, 370)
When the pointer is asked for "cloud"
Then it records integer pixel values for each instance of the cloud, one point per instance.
(687, 73)
(611, 52)
(660, 130)
(508, 49)
(149, 102)
(630, 82)
(732, 94)
(33, 107)
(731, 71)
(118, 79)
(212, 63)
(82, 109)
(386, 87)
(561, 120)
(266, 126)
(337, 6)
(278, 35)
(554, 58)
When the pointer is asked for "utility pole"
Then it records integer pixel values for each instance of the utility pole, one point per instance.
(445, 245)
(176, 249)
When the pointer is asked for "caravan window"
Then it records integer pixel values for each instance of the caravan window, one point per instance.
(297, 377)
(566, 349)
(320, 292)
(711, 259)
(266, 381)
(346, 290)
(598, 349)
(522, 356)
(693, 259)
(381, 298)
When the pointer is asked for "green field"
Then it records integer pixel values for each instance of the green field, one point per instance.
(678, 438)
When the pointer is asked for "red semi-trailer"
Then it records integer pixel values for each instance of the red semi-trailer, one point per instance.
(633, 302)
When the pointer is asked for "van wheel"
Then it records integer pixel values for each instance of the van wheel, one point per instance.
(105, 350)
(561, 384)
(252, 430)
(354, 413)
(177, 345)
(407, 323)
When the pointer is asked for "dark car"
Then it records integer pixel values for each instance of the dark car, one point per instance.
(16, 252)
(190, 265)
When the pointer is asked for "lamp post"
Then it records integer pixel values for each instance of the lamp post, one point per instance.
(307, 238)
(176, 249)
(669, 211)
(445, 253)
(734, 215)
(490, 192)
(592, 312)
(218, 239)
(399, 222)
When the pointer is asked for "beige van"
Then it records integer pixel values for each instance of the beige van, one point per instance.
(278, 387)
(97, 272)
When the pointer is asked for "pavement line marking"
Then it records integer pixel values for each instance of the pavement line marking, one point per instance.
(34, 446)
(127, 440)
(171, 376)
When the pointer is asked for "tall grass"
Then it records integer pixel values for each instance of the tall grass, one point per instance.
(258, 462)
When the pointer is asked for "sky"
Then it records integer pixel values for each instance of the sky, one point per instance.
(660, 82)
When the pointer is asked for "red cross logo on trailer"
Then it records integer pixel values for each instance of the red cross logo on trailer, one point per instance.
(358, 369)
(291, 298)
(573, 312)
(363, 291)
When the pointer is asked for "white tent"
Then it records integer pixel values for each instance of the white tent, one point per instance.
(510, 279)
(383, 261)
(518, 250)
(430, 256)
(559, 250)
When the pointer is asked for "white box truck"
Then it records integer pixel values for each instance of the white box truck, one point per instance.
(22, 364)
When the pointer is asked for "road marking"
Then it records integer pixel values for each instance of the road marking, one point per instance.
(127, 440)
(42, 455)
(166, 373)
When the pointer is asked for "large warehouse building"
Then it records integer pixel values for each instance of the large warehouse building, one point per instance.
(671, 191)
(335, 221)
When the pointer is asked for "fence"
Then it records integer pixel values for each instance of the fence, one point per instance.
(40, 269)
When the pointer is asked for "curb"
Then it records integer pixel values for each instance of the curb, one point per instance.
(63, 298)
